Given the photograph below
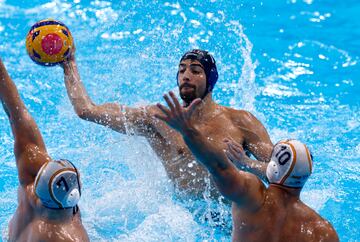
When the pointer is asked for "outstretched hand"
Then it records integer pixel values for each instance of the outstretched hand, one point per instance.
(176, 116)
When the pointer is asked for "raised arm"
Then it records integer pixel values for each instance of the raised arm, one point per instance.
(112, 115)
(256, 141)
(29, 147)
(243, 188)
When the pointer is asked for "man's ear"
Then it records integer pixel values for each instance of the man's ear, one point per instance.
(177, 78)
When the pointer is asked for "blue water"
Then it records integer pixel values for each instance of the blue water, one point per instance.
(294, 64)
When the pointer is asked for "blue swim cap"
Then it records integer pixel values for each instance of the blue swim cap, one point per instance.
(208, 62)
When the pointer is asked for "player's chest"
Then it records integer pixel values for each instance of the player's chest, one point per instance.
(214, 132)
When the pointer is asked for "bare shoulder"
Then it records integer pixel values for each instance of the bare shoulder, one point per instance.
(244, 189)
(42, 230)
(29, 162)
(321, 228)
(241, 117)
(324, 230)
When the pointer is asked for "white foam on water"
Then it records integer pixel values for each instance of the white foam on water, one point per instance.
(8, 197)
(316, 199)
(170, 223)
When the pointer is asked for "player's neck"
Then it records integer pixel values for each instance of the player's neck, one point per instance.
(57, 214)
(206, 109)
(287, 191)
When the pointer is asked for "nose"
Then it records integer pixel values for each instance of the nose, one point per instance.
(186, 75)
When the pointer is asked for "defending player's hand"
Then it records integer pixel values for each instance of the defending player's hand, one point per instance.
(235, 152)
(176, 116)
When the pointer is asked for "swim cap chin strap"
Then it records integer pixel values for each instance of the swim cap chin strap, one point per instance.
(290, 165)
(208, 62)
(57, 185)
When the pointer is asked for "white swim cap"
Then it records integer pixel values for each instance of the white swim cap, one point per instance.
(57, 184)
(290, 164)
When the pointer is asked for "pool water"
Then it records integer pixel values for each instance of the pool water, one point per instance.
(294, 64)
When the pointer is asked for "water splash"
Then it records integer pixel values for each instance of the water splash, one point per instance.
(246, 88)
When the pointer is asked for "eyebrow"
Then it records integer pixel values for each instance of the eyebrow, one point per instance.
(192, 65)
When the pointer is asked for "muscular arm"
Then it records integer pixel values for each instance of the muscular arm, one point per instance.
(112, 115)
(256, 140)
(256, 167)
(243, 188)
(29, 147)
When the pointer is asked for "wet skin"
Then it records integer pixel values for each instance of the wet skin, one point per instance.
(32, 221)
(259, 214)
(217, 121)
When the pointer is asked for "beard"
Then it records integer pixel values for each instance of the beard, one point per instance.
(189, 94)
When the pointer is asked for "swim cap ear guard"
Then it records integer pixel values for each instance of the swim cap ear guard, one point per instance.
(57, 185)
(290, 164)
(209, 64)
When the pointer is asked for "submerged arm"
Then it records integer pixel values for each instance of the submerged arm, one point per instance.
(29, 147)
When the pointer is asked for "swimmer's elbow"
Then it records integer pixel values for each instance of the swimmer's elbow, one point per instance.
(84, 112)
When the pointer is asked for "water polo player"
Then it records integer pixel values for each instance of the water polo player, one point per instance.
(270, 214)
(49, 189)
(196, 78)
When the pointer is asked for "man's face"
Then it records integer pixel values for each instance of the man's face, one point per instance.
(192, 80)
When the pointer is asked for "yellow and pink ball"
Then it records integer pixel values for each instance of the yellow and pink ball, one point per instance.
(49, 42)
